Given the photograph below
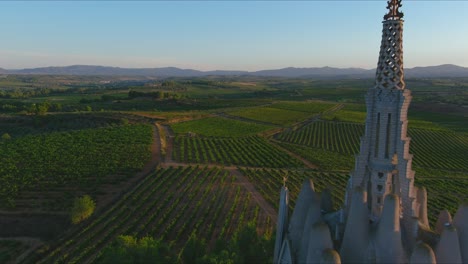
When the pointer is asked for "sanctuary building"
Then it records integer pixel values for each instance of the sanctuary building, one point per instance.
(384, 218)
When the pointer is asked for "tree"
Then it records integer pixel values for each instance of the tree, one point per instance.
(83, 207)
(6, 136)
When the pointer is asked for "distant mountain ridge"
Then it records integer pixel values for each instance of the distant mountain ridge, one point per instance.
(446, 70)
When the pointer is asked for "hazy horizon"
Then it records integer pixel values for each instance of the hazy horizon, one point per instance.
(237, 35)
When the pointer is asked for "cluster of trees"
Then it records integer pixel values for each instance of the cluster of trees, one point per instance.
(31, 108)
(245, 247)
(27, 92)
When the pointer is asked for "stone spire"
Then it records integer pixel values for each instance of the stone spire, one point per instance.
(383, 165)
(390, 67)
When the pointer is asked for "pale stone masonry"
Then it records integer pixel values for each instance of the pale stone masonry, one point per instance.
(384, 218)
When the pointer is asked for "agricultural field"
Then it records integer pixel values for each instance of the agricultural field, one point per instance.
(159, 206)
(234, 140)
(83, 159)
(269, 182)
(219, 127)
(313, 107)
(438, 149)
(251, 151)
(10, 249)
(271, 115)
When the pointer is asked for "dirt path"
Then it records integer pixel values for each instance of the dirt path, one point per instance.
(169, 143)
(264, 205)
(306, 162)
(225, 115)
(112, 193)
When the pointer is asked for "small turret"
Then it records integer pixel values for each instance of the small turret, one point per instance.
(357, 226)
(448, 249)
(388, 238)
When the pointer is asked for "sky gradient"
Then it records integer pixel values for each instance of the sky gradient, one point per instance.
(225, 35)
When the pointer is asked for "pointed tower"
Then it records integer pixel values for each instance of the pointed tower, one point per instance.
(383, 165)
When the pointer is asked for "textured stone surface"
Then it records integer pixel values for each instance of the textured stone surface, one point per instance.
(282, 225)
(448, 249)
(388, 237)
(422, 254)
(356, 235)
(330, 256)
(444, 218)
(306, 197)
(460, 221)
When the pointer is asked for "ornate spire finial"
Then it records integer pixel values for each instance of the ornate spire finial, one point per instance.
(285, 179)
(393, 12)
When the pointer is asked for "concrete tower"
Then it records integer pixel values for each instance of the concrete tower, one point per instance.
(383, 165)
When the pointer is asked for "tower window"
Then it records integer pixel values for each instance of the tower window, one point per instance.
(387, 139)
(379, 187)
(380, 174)
(379, 200)
(377, 133)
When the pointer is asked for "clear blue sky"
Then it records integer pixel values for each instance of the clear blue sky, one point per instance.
(236, 35)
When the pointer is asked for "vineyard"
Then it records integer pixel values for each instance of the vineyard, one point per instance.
(219, 127)
(326, 160)
(439, 149)
(313, 107)
(269, 182)
(10, 249)
(443, 193)
(172, 204)
(271, 115)
(248, 151)
(49, 165)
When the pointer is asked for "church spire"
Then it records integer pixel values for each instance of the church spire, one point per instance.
(393, 12)
(390, 74)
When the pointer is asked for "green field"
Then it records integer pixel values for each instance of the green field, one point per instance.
(48, 162)
(66, 136)
(159, 206)
(249, 151)
(219, 127)
(313, 107)
(272, 115)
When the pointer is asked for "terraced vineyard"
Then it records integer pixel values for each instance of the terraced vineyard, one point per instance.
(249, 151)
(439, 149)
(170, 203)
(43, 164)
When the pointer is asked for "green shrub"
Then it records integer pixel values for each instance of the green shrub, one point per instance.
(83, 208)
